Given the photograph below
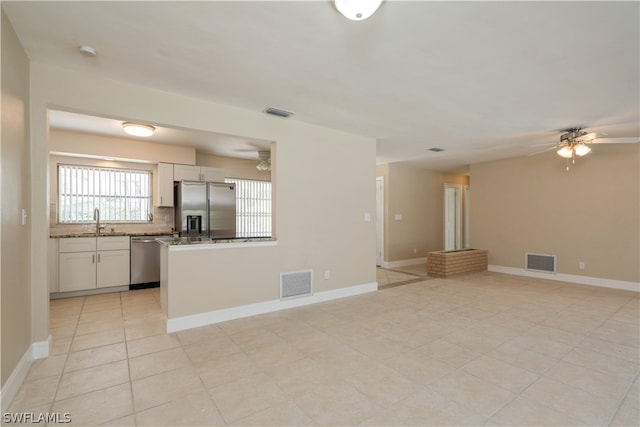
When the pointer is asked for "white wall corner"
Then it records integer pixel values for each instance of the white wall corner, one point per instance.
(570, 278)
(404, 262)
(208, 318)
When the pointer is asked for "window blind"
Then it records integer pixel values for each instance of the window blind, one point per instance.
(253, 207)
(122, 195)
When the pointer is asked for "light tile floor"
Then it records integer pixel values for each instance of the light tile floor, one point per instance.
(400, 276)
(482, 349)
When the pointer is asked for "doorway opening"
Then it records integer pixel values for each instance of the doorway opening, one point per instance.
(379, 221)
(452, 217)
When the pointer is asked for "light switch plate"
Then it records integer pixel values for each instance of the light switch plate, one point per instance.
(397, 217)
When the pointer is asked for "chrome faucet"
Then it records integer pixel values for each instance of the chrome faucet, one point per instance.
(96, 217)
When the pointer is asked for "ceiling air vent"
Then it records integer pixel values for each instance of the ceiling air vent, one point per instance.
(278, 112)
(436, 149)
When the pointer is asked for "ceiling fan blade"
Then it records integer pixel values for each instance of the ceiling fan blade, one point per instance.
(627, 140)
(546, 144)
(589, 136)
(543, 151)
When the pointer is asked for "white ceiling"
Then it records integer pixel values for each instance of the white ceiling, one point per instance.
(483, 80)
(206, 142)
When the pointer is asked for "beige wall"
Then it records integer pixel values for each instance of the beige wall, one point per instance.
(590, 213)
(15, 183)
(233, 168)
(124, 149)
(417, 195)
(455, 179)
(319, 209)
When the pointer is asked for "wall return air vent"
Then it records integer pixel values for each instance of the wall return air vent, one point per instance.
(296, 284)
(540, 262)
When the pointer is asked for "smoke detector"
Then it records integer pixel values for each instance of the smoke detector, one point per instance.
(88, 51)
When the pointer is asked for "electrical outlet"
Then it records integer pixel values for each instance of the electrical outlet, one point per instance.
(581, 265)
(415, 251)
(327, 275)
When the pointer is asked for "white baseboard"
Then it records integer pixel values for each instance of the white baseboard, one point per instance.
(217, 316)
(571, 278)
(404, 262)
(37, 350)
(40, 349)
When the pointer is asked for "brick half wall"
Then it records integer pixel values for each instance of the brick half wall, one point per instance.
(445, 264)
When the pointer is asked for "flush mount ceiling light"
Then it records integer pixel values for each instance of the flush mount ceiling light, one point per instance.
(357, 10)
(136, 129)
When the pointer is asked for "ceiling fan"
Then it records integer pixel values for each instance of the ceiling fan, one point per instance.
(576, 142)
(265, 161)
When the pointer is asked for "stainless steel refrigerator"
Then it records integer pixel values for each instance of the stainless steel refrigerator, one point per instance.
(205, 209)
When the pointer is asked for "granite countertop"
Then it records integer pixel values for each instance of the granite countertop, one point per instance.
(62, 233)
(172, 241)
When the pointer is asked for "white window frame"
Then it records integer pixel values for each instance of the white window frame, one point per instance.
(253, 207)
(122, 195)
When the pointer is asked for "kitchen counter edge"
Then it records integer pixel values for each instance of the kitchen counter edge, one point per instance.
(180, 244)
(116, 234)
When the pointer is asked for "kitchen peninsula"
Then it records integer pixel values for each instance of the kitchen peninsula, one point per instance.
(202, 280)
(210, 281)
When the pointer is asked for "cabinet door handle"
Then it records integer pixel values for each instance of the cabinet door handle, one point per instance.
(98, 257)
(161, 202)
(93, 259)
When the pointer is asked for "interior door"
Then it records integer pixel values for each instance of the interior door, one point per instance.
(452, 217)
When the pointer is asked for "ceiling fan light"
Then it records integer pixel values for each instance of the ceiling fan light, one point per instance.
(136, 129)
(264, 166)
(565, 152)
(265, 161)
(357, 10)
(582, 150)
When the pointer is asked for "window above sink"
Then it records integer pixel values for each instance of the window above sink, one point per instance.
(121, 195)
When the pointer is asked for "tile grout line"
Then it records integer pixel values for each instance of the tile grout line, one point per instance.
(126, 349)
(66, 359)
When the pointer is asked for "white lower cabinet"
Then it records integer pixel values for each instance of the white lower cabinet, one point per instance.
(92, 262)
(112, 268)
(77, 271)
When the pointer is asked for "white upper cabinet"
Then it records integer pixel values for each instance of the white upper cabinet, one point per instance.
(165, 184)
(186, 173)
(212, 174)
(197, 173)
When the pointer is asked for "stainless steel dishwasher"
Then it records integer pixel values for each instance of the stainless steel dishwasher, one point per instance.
(145, 262)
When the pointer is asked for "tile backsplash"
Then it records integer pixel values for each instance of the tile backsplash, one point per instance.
(163, 222)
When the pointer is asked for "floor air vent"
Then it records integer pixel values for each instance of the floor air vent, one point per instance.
(540, 262)
(295, 284)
